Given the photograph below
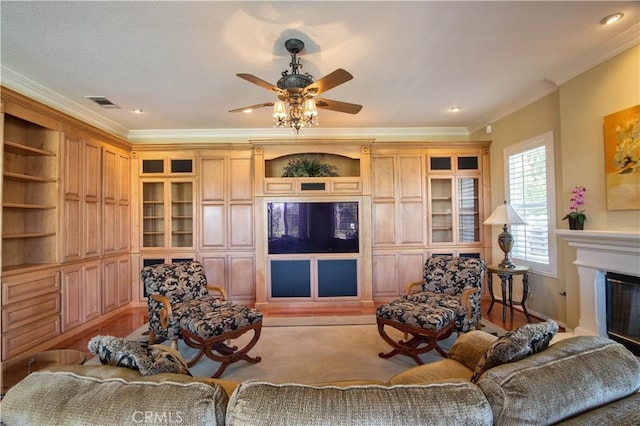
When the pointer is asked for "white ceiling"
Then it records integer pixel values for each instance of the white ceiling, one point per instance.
(411, 61)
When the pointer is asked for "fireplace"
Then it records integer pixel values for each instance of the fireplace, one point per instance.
(623, 309)
(600, 254)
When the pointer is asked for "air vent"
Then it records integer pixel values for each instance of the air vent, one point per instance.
(102, 101)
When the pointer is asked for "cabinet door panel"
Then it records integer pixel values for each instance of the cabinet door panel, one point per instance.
(110, 176)
(241, 179)
(72, 298)
(412, 223)
(124, 179)
(124, 230)
(384, 223)
(91, 291)
(109, 226)
(92, 229)
(109, 285)
(410, 171)
(411, 270)
(92, 171)
(72, 224)
(241, 225)
(384, 275)
(72, 183)
(213, 226)
(242, 278)
(383, 177)
(215, 271)
(212, 174)
(124, 281)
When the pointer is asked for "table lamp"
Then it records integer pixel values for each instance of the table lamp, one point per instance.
(505, 215)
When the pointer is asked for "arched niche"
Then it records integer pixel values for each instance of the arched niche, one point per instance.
(343, 166)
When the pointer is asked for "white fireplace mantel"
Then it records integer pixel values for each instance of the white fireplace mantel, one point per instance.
(599, 252)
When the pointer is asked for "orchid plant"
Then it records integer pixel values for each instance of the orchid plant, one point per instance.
(577, 201)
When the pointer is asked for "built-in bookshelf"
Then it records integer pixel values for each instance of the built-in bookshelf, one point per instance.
(29, 204)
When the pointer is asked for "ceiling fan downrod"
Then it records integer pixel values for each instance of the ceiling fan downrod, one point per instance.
(295, 81)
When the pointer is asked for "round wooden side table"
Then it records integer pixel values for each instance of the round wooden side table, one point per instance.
(17, 369)
(506, 277)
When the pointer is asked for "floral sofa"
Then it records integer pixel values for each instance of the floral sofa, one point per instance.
(579, 380)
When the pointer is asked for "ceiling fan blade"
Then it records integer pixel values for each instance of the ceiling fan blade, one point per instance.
(260, 82)
(328, 82)
(252, 107)
(338, 106)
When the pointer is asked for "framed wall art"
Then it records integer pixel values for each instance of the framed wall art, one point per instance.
(622, 159)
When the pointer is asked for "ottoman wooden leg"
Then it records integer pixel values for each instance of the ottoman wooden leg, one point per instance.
(216, 350)
(423, 340)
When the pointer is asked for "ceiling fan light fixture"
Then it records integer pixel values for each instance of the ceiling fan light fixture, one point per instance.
(311, 112)
(279, 114)
(297, 91)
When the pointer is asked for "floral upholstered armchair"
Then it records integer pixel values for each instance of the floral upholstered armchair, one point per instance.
(175, 291)
(454, 283)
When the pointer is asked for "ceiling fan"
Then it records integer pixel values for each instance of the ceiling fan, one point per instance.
(299, 91)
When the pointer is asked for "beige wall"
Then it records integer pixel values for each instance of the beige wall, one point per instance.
(575, 115)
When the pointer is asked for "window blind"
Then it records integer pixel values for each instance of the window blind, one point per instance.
(528, 196)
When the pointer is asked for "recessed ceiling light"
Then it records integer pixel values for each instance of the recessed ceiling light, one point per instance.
(136, 111)
(455, 109)
(608, 20)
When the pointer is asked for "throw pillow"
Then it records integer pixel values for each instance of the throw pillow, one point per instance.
(137, 356)
(118, 352)
(516, 345)
(164, 360)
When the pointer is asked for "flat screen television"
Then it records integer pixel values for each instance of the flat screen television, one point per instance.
(319, 227)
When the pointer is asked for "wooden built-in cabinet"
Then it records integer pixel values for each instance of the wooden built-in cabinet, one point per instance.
(65, 215)
(198, 205)
(425, 201)
(30, 311)
(117, 272)
(167, 203)
(80, 289)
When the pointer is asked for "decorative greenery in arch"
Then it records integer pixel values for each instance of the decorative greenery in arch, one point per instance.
(309, 166)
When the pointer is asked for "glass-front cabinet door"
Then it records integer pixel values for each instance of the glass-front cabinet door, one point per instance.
(468, 210)
(181, 214)
(153, 214)
(454, 211)
(167, 214)
(441, 210)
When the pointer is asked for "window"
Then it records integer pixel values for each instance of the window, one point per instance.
(530, 189)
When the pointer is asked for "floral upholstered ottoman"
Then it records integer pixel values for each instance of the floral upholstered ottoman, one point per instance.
(207, 331)
(426, 323)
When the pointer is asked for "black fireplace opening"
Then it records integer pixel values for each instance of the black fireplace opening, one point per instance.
(623, 310)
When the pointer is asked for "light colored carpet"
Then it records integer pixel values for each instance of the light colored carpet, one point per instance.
(312, 353)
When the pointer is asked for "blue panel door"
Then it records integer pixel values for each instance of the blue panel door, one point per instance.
(290, 278)
(337, 278)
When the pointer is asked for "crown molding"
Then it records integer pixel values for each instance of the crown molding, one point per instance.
(14, 81)
(546, 87)
(159, 136)
(615, 46)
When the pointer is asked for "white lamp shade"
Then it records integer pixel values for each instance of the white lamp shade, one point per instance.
(279, 110)
(504, 214)
(310, 108)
